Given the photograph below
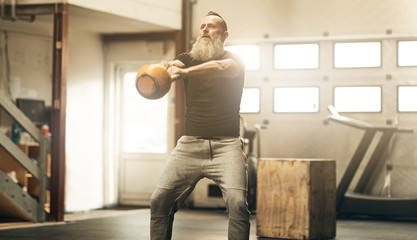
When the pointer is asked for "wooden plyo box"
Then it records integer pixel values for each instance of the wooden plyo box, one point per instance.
(296, 198)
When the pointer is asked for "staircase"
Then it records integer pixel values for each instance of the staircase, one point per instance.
(15, 201)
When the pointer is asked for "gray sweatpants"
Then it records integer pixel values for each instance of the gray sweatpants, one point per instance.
(221, 160)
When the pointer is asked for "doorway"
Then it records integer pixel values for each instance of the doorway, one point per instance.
(144, 137)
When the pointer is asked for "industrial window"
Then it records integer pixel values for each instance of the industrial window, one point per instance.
(250, 102)
(357, 55)
(296, 56)
(296, 99)
(357, 99)
(407, 52)
(407, 98)
(250, 54)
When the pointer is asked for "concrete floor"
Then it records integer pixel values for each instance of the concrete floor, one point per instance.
(188, 225)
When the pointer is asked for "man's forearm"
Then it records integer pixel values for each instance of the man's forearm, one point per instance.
(225, 68)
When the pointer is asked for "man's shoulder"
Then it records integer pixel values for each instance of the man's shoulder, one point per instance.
(236, 57)
(232, 55)
(184, 58)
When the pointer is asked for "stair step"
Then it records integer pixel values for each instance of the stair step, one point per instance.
(16, 203)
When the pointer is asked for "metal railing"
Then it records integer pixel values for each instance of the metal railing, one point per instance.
(31, 207)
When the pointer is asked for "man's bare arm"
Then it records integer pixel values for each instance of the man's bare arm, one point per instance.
(175, 63)
(227, 68)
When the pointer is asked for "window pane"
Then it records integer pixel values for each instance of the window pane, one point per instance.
(249, 53)
(296, 99)
(407, 53)
(357, 55)
(407, 99)
(357, 99)
(250, 100)
(144, 122)
(296, 56)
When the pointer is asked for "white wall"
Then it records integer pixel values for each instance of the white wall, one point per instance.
(302, 135)
(29, 47)
(92, 173)
(84, 131)
(253, 19)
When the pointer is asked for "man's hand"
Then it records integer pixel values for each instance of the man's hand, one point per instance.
(175, 72)
(174, 69)
(164, 64)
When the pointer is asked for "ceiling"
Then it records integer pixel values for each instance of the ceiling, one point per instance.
(87, 20)
(83, 19)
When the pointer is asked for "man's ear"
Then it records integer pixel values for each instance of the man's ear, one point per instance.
(225, 35)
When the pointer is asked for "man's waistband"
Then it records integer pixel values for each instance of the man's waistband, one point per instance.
(214, 137)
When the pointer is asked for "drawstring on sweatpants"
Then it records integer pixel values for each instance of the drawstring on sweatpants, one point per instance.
(209, 139)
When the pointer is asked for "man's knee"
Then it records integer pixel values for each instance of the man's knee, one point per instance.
(155, 198)
(159, 201)
(237, 204)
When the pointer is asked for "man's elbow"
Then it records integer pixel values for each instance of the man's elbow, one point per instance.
(230, 69)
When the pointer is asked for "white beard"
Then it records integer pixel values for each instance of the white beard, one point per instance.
(206, 49)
